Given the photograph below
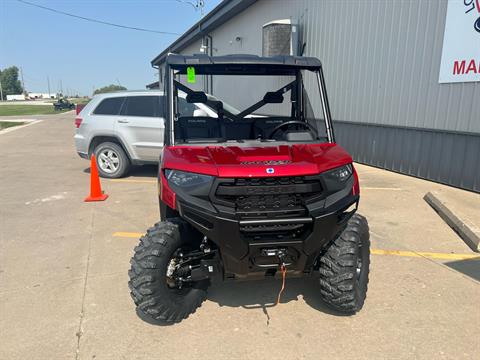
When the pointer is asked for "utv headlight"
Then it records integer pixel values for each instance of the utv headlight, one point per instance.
(341, 173)
(336, 179)
(185, 179)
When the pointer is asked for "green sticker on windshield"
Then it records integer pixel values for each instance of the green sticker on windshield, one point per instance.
(191, 74)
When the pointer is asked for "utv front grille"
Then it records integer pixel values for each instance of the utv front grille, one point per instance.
(268, 194)
(272, 198)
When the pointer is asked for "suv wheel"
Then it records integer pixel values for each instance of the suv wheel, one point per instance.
(344, 268)
(112, 162)
(153, 283)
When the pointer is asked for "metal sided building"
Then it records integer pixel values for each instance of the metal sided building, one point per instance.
(403, 76)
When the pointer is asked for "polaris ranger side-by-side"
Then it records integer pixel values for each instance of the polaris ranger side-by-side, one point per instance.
(250, 193)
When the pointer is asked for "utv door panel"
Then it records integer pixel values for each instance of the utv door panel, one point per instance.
(141, 126)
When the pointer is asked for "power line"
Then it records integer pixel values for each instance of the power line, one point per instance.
(97, 21)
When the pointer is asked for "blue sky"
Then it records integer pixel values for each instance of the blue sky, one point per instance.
(83, 55)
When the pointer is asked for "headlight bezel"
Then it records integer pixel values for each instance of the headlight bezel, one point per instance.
(199, 185)
(185, 179)
(341, 173)
(337, 178)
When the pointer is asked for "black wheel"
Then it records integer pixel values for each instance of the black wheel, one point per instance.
(112, 162)
(344, 268)
(156, 289)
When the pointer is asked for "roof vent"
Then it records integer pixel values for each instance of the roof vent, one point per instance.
(280, 37)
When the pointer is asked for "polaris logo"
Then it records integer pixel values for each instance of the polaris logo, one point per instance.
(270, 170)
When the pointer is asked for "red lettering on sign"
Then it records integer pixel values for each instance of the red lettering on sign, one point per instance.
(458, 67)
(472, 67)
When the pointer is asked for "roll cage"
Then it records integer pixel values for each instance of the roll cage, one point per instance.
(244, 65)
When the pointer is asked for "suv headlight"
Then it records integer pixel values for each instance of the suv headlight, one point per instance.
(185, 179)
(341, 173)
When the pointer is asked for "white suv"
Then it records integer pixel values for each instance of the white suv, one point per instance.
(126, 128)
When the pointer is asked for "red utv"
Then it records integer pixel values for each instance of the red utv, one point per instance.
(250, 193)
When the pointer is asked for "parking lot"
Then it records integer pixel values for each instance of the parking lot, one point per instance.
(63, 273)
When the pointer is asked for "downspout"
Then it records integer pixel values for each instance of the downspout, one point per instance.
(210, 47)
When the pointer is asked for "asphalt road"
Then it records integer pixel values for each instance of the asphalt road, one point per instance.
(63, 274)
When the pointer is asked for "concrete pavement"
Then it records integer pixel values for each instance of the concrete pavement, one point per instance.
(63, 275)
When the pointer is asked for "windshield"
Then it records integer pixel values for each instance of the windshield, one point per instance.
(268, 108)
(226, 106)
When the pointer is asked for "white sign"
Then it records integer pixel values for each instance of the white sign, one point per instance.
(461, 42)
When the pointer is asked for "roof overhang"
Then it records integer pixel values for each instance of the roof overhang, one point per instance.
(218, 16)
(242, 64)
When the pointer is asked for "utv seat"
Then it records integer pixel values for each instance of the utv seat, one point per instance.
(199, 127)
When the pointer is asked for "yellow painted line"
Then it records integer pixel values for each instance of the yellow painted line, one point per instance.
(417, 254)
(430, 255)
(134, 181)
(127, 234)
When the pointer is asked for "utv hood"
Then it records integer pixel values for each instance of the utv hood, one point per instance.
(236, 161)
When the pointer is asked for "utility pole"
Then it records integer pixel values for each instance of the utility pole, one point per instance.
(23, 82)
(1, 89)
(48, 82)
(61, 87)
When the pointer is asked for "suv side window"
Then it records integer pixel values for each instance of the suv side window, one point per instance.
(185, 108)
(145, 106)
(109, 106)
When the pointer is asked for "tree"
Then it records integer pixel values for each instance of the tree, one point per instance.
(10, 83)
(109, 88)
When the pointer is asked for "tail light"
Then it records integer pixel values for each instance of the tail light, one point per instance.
(78, 122)
(79, 108)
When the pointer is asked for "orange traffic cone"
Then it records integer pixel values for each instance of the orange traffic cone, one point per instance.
(96, 193)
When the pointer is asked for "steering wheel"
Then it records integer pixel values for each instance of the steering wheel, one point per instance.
(294, 122)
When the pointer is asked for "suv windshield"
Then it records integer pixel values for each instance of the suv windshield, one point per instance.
(268, 108)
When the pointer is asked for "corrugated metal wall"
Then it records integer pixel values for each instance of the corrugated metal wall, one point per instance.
(442, 156)
(381, 61)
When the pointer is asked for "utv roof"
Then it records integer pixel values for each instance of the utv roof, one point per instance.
(242, 64)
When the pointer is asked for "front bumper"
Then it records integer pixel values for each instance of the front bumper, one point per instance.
(245, 257)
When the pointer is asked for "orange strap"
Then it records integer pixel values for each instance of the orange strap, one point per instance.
(284, 273)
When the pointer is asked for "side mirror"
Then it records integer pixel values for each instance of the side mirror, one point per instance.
(273, 98)
(199, 113)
